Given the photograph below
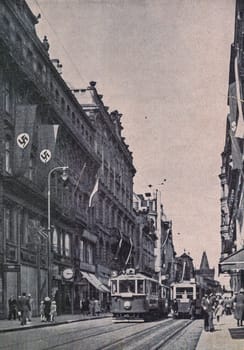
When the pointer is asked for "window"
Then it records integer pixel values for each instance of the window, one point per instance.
(7, 157)
(61, 244)
(67, 244)
(7, 97)
(55, 240)
(89, 254)
(81, 251)
(127, 286)
(140, 286)
(7, 221)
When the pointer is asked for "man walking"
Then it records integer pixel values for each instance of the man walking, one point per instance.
(24, 306)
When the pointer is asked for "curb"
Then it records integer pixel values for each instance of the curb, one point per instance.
(42, 325)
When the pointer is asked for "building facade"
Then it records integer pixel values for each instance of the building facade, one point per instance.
(111, 213)
(232, 176)
(156, 255)
(43, 129)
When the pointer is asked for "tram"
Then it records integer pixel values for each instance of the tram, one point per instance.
(188, 295)
(138, 297)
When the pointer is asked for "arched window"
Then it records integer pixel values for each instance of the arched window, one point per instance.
(67, 244)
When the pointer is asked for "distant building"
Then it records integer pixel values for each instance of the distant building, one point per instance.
(232, 175)
(205, 275)
(155, 249)
(184, 268)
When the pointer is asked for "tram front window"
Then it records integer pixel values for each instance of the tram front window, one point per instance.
(140, 285)
(127, 286)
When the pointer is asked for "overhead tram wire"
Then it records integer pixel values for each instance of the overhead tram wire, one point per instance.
(59, 40)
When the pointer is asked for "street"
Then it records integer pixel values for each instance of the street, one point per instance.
(104, 334)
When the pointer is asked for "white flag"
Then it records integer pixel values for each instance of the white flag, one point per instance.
(95, 189)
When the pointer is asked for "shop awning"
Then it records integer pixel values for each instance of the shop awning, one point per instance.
(233, 262)
(91, 278)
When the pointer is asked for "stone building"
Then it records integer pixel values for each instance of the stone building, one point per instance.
(184, 268)
(112, 219)
(155, 249)
(66, 185)
(145, 235)
(42, 127)
(232, 176)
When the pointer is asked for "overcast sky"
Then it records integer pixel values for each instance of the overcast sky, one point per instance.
(164, 64)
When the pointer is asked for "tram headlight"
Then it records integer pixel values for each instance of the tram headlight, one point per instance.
(127, 305)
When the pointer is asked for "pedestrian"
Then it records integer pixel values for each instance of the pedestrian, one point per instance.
(207, 304)
(53, 311)
(219, 310)
(42, 314)
(97, 307)
(24, 308)
(193, 309)
(86, 306)
(82, 304)
(92, 307)
(18, 307)
(31, 302)
(175, 308)
(12, 308)
(47, 308)
(239, 307)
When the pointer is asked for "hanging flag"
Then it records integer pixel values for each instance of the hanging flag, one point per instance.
(240, 124)
(47, 136)
(24, 129)
(95, 189)
(78, 181)
(235, 147)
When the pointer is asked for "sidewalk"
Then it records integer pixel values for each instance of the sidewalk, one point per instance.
(10, 326)
(226, 336)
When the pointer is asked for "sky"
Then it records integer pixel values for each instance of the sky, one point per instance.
(164, 65)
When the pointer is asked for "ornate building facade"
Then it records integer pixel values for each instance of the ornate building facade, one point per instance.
(57, 239)
(155, 249)
(232, 175)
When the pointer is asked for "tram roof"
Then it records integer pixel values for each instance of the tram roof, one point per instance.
(137, 276)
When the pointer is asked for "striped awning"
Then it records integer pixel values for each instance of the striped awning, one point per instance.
(92, 279)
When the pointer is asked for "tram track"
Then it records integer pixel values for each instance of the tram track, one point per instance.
(97, 334)
(166, 332)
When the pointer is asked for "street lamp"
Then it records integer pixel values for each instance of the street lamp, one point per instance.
(64, 177)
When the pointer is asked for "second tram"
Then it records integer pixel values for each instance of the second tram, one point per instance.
(187, 295)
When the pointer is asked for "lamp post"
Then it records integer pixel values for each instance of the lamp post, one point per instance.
(64, 177)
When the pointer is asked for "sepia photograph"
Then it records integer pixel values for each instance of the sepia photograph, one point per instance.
(121, 174)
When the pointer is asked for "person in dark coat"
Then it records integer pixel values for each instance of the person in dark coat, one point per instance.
(207, 303)
(12, 307)
(24, 307)
(47, 308)
(175, 308)
(239, 307)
